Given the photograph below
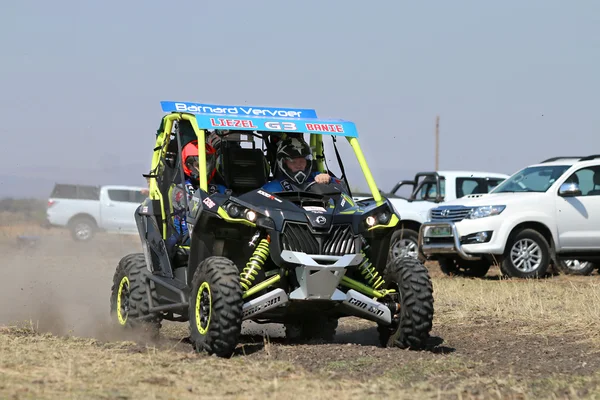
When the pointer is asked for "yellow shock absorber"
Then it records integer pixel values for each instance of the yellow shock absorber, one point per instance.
(369, 272)
(257, 260)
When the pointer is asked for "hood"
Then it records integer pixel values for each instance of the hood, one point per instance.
(318, 211)
(490, 199)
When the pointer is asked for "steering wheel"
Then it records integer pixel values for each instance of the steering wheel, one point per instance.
(310, 185)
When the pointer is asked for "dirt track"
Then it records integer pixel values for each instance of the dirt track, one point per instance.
(63, 287)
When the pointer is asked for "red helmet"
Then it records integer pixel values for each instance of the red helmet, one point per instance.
(190, 160)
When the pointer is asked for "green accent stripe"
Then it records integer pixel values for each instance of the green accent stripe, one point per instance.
(261, 286)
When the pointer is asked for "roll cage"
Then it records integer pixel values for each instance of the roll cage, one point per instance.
(241, 169)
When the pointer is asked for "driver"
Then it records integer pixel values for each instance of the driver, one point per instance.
(189, 155)
(294, 162)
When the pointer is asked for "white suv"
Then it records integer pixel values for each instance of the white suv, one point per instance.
(429, 190)
(545, 213)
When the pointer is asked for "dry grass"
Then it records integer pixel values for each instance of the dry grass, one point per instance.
(43, 366)
(517, 339)
(559, 305)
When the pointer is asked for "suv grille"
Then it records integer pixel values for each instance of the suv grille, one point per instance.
(298, 237)
(450, 214)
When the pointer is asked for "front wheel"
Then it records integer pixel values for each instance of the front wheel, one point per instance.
(129, 305)
(527, 256)
(411, 325)
(404, 242)
(215, 310)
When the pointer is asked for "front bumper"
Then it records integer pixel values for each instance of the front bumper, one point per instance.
(319, 276)
(470, 241)
(318, 279)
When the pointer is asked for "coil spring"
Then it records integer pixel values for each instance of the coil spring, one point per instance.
(368, 271)
(257, 260)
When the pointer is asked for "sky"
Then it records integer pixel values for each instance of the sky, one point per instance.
(513, 82)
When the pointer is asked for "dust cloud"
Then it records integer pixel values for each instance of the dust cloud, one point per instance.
(60, 286)
(63, 287)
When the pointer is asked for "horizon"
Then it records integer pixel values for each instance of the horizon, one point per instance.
(513, 83)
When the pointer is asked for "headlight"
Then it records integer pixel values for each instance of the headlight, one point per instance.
(380, 218)
(485, 211)
(238, 211)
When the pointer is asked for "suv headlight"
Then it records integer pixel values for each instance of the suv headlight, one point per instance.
(485, 211)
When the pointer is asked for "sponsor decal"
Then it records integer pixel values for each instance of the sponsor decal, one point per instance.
(280, 126)
(232, 123)
(259, 307)
(315, 209)
(269, 196)
(335, 128)
(236, 111)
(210, 121)
(365, 306)
(178, 196)
(209, 203)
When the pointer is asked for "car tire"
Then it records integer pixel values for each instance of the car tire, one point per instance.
(82, 229)
(526, 256)
(574, 267)
(404, 242)
(469, 268)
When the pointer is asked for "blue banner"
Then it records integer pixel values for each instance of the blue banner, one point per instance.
(236, 111)
(325, 127)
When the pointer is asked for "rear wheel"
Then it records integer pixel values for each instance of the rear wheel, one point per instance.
(315, 328)
(411, 325)
(129, 305)
(215, 310)
(575, 267)
(82, 229)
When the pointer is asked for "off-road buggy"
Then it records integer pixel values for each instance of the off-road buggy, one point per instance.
(303, 259)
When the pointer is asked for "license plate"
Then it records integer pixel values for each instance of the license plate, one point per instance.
(439, 231)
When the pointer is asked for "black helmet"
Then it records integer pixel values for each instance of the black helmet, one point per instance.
(290, 149)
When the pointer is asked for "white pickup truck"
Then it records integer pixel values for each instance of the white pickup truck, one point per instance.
(85, 210)
(547, 213)
(428, 190)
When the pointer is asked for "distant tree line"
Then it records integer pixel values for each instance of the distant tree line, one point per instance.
(29, 209)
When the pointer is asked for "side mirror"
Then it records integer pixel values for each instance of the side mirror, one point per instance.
(569, 190)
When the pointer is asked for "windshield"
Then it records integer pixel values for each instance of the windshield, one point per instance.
(532, 179)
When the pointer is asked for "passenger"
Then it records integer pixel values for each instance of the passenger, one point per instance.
(192, 181)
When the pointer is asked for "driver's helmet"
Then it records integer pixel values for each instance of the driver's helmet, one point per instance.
(294, 159)
(190, 160)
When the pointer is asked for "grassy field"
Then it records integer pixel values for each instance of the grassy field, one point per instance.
(502, 339)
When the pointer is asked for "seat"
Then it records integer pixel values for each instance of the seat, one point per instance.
(244, 169)
(595, 192)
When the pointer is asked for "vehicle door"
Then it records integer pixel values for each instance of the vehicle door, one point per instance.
(119, 209)
(578, 217)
